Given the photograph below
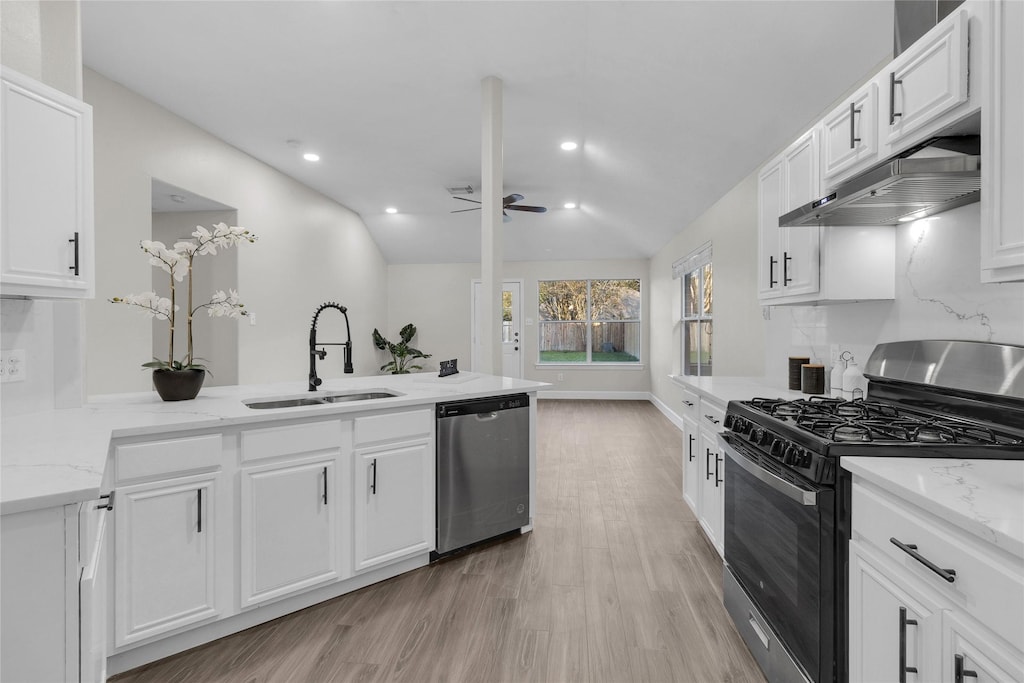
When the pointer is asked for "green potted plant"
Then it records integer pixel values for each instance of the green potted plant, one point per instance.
(402, 355)
(177, 380)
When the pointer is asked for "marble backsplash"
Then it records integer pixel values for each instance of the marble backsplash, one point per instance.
(939, 295)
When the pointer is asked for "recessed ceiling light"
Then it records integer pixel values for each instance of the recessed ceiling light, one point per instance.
(570, 205)
(391, 209)
(310, 156)
(569, 145)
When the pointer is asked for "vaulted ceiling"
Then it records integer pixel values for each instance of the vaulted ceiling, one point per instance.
(671, 102)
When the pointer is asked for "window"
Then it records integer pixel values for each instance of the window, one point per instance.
(589, 321)
(695, 274)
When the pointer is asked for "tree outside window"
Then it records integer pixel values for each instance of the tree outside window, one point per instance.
(589, 321)
(697, 284)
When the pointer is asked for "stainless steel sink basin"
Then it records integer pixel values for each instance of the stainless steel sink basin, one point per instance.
(318, 399)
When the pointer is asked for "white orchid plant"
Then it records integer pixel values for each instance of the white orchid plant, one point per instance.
(177, 262)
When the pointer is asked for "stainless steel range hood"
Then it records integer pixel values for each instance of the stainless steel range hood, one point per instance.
(900, 189)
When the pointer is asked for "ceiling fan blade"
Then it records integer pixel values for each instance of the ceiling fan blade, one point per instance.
(523, 207)
(466, 200)
(512, 199)
(465, 210)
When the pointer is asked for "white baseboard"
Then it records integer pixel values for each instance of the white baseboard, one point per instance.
(597, 395)
(672, 416)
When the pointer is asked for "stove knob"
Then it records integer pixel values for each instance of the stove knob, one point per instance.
(791, 455)
(756, 434)
(740, 425)
(767, 439)
(776, 448)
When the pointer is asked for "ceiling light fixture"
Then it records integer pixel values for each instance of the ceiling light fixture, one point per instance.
(570, 205)
(311, 156)
(391, 209)
(569, 145)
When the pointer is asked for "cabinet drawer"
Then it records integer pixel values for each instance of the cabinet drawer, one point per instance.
(691, 404)
(987, 584)
(712, 416)
(394, 426)
(172, 456)
(292, 439)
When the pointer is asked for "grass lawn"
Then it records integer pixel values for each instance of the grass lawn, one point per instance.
(581, 357)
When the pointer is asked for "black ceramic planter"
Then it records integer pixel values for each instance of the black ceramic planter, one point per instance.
(178, 385)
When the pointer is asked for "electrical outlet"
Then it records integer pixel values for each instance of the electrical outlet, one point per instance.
(12, 366)
(252, 319)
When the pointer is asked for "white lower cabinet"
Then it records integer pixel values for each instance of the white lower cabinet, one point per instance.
(691, 462)
(166, 556)
(927, 601)
(704, 466)
(394, 502)
(289, 527)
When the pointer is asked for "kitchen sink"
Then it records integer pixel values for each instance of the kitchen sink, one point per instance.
(318, 400)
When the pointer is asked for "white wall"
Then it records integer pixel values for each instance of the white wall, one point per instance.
(310, 250)
(437, 299)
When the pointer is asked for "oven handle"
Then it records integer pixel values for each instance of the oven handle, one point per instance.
(782, 486)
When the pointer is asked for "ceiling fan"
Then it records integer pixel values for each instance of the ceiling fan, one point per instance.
(507, 204)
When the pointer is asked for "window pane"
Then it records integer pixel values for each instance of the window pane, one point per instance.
(707, 290)
(615, 342)
(615, 299)
(705, 348)
(697, 348)
(563, 342)
(562, 299)
(506, 316)
(691, 290)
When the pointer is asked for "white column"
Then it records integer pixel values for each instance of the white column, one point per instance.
(491, 236)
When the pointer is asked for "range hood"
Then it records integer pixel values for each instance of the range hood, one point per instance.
(905, 188)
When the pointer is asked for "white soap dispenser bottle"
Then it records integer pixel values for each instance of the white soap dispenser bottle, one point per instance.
(835, 378)
(854, 383)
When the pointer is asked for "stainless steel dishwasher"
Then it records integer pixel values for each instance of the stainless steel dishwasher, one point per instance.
(483, 470)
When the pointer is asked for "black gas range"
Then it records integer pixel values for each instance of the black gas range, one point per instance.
(787, 500)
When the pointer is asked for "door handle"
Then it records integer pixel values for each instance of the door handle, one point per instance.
(893, 82)
(74, 240)
(718, 476)
(199, 511)
(771, 272)
(904, 623)
(325, 484)
(692, 439)
(959, 672)
(373, 482)
(853, 140)
(911, 549)
(707, 464)
(786, 258)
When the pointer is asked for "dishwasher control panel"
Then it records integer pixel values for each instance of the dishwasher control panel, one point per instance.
(482, 405)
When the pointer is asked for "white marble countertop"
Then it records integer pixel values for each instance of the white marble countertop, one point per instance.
(725, 389)
(983, 497)
(58, 457)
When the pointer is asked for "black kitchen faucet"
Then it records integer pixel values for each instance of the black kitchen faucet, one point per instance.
(315, 381)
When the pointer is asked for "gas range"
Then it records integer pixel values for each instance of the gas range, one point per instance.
(808, 435)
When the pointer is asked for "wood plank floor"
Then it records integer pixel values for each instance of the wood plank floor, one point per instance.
(616, 583)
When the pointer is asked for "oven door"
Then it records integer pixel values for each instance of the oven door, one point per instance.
(780, 548)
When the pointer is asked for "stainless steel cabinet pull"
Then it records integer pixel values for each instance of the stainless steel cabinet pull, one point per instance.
(904, 623)
(373, 482)
(109, 505)
(713, 419)
(707, 464)
(911, 549)
(893, 82)
(786, 258)
(74, 241)
(325, 484)
(771, 272)
(199, 514)
(853, 139)
(718, 476)
(692, 439)
(959, 672)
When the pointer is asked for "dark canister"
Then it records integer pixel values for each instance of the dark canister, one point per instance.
(812, 378)
(795, 365)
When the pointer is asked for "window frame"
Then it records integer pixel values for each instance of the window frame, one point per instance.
(694, 262)
(588, 322)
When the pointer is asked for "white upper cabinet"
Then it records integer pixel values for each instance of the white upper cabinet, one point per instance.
(1002, 180)
(46, 191)
(850, 136)
(927, 81)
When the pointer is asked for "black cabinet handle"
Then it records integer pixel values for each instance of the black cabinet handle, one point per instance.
(109, 505)
(373, 482)
(688, 404)
(911, 549)
(771, 272)
(786, 258)
(904, 623)
(199, 508)
(692, 439)
(718, 476)
(893, 82)
(712, 419)
(74, 241)
(853, 140)
(325, 484)
(707, 464)
(959, 672)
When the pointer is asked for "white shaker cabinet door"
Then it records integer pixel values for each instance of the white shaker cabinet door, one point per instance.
(165, 556)
(47, 191)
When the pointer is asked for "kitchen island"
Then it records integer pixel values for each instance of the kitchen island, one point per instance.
(162, 525)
